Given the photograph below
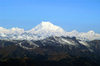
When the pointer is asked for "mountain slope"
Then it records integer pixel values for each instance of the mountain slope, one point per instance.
(61, 50)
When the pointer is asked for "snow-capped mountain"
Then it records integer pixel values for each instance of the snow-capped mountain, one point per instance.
(46, 41)
(42, 31)
(47, 29)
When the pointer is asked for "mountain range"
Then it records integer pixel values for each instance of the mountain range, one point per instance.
(44, 30)
(48, 45)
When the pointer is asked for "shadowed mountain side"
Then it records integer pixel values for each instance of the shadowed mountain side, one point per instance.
(50, 52)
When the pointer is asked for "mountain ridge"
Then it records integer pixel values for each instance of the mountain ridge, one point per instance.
(43, 30)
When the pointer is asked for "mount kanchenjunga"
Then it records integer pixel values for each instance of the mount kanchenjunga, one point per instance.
(42, 31)
(47, 29)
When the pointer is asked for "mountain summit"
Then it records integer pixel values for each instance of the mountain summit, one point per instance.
(47, 29)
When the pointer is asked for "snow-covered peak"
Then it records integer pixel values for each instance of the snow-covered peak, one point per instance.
(17, 30)
(46, 26)
(91, 32)
(90, 35)
(47, 29)
(46, 23)
(3, 30)
(12, 30)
